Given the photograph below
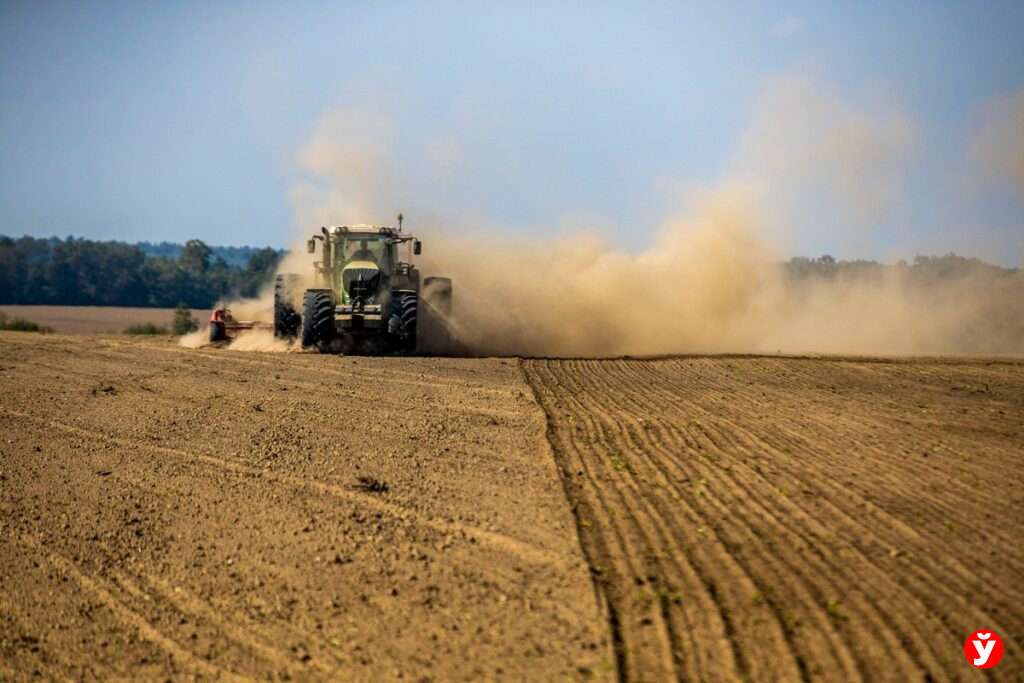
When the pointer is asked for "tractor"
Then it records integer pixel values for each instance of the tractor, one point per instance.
(367, 295)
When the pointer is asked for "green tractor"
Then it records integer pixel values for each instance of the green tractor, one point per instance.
(367, 296)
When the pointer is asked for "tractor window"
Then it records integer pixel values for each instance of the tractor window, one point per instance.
(371, 248)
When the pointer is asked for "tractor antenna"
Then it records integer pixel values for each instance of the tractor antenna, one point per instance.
(400, 219)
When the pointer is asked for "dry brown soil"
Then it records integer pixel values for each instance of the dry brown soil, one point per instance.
(797, 518)
(173, 512)
(215, 514)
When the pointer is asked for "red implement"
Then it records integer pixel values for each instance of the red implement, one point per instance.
(223, 325)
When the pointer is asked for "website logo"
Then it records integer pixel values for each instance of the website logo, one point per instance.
(983, 649)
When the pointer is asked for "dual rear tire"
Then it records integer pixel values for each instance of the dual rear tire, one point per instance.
(402, 320)
(317, 318)
(317, 327)
(287, 320)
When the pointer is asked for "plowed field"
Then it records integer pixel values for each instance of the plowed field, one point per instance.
(216, 514)
(789, 519)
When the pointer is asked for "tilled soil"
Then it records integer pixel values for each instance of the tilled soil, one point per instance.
(211, 514)
(216, 514)
(791, 519)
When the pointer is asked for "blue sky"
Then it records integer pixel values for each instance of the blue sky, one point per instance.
(166, 121)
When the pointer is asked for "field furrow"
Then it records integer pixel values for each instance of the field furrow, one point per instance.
(796, 518)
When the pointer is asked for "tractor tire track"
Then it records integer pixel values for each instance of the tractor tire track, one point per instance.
(505, 544)
(106, 594)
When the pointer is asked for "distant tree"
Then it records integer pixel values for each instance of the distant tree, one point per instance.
(260, 269)
(263, 261)
(77, 271)
(195, 257)
(183, 322)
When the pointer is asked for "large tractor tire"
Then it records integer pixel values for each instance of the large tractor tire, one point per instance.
(217, 333)
(317, 318)
(402, 321)
(438, 291)
(287, 320)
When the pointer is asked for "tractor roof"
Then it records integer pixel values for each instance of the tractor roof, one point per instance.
(365, 229)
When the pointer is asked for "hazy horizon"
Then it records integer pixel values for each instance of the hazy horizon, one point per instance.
(283, 250)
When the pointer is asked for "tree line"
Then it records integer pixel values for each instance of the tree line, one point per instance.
(924, 269)
(80, 272)
(233, 256)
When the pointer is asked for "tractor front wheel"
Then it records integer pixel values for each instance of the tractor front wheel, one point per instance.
(317, 318)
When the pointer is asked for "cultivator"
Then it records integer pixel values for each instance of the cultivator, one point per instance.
(224, 327)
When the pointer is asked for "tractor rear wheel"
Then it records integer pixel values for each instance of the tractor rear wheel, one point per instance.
(317, 318)
(286, 319)
(402, 323)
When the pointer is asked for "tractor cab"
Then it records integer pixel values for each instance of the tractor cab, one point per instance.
(365, 263)
(374, 249)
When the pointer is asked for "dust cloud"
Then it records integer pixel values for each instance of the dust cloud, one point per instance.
(999, 144)
(714, 278)
(261, 309)
(261, 340)
(195, 340)
(698, 288)
(709, 285)
(803, 137)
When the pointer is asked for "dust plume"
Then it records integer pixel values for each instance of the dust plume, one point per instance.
(195, 340)
(713, 279)
(700, 287)
(261, 340)
(261, 308)
(805, 138)
(999, 144)
(708, 285)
